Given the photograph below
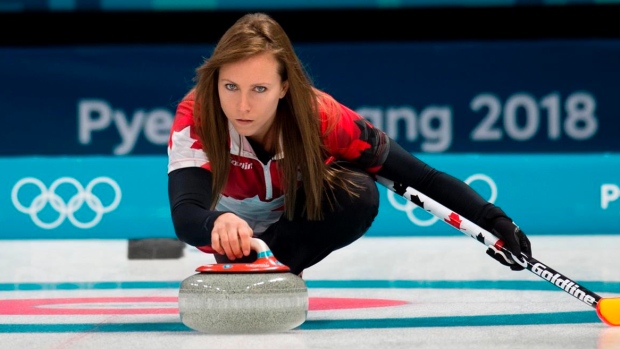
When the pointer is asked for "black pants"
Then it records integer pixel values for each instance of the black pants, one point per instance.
(300, 243)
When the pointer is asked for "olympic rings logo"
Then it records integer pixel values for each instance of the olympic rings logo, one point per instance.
(66, 210)
(409, 207)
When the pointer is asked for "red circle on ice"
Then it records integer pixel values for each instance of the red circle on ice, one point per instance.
(154, 305)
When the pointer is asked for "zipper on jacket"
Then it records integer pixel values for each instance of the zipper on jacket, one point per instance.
(268, 183)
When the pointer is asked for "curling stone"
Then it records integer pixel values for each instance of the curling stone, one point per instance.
(259, 297)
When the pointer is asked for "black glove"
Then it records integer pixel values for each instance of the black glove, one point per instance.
(515, 241)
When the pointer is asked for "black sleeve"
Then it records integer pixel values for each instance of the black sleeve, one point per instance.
(403, 167)
(189, 192)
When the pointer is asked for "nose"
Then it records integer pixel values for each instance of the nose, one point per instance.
(244, 103)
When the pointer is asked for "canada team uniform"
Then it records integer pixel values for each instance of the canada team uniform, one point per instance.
(254, 190)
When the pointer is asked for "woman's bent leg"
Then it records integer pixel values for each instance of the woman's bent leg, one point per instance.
(300, 243)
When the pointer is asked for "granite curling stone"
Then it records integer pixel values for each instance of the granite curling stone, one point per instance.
(259, 297)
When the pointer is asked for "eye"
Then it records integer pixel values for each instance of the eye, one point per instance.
(230, 87)
(260, 89)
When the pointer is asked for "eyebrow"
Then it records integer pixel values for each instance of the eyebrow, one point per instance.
(257, 84)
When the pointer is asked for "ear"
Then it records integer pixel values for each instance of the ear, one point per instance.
(284, 89)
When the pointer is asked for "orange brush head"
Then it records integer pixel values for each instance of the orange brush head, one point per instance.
(608, 310)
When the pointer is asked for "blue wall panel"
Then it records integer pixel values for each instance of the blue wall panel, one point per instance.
(468, 97)
(126, 197)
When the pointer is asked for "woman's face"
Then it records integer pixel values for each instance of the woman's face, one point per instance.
(249, 92)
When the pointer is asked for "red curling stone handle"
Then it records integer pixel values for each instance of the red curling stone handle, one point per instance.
(265, 262)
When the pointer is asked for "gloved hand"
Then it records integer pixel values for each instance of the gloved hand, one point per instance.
(515, 241)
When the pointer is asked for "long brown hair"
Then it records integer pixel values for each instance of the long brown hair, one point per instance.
(297, 116)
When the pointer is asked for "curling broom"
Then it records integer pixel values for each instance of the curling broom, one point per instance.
(608, 309)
